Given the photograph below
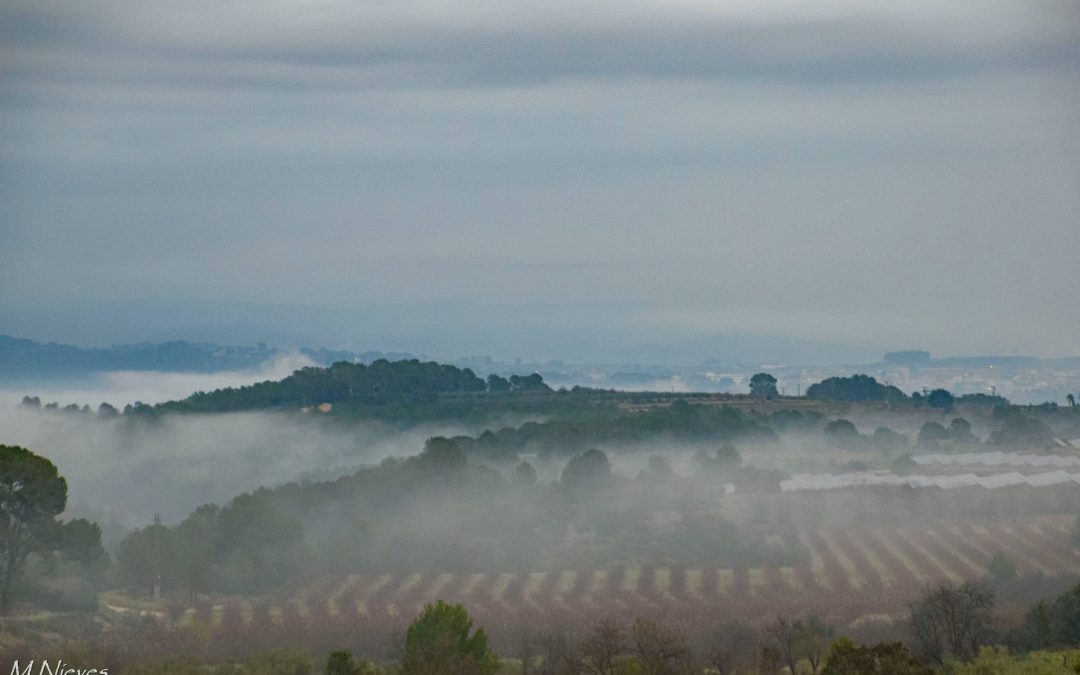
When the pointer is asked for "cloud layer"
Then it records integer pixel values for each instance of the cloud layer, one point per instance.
(886, 173)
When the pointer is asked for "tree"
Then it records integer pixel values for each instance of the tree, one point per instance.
(197, 541)
(732, 648)
(940, 398)
(497, 384)
(813, 641)
(341, 663)
(534, 382)
(1063, 618)
(1017, 429)
(952, 621)
(558, 653)
(589, 469)
(960, 431)
(32, 495)
(602, 648)
(854, 388)
(763, 385)
(841, 434)
(783, 636)
(659, 468)
(441, 642)
(883, 658)
(932, 433)
(660, 651)
(1071, 400)
(727, 455)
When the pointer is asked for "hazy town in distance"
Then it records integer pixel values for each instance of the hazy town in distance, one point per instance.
(518, 338)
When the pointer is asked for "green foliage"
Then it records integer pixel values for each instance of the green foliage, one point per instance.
(854, 388)
(341, 663)
(680, 420)
(842, 434)
(1065, 617)
(940, 398)
(1016, 429)
(528, 383)
(763, 385)
(32, 495)
(886, 440)
(998, 661)
(981, 400)
(248, 546)
(884, 658)
(659, 650)
(441, 642)
(932, 433)
(380, 383)
(589, 470)
(960, 431)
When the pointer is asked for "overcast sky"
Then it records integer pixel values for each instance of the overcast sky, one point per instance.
(545, 179)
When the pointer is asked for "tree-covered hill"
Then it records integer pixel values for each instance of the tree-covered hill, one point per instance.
(380, 383)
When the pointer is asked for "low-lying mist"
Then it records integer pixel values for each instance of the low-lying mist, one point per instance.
(126, 470)
(120, 388)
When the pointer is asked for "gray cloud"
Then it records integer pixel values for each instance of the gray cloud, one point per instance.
(854, 173)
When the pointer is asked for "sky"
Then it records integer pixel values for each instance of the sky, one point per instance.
(657, 181)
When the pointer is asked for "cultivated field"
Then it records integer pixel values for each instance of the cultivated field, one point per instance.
(848, 575)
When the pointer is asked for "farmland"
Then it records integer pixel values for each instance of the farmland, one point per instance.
(848, 575)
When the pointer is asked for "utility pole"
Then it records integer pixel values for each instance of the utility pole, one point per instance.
(157, 557)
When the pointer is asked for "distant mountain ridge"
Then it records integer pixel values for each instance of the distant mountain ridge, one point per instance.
(23, 359)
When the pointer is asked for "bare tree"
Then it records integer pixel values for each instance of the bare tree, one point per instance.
(783, 636)
(559, 655)
(732, 648)
(526, 650)
(815, 637)
(952, 620)
(602, 647)
(661, 651)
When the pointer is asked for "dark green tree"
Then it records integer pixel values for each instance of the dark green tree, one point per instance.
(932, 433)
(497, 384)
(763, 385)
(854, 388)
(32, 495)
(884, 658)
(842, 434)
(960, 431)
(532, 382)
(441, 642)
(940, 398)
(341, 663)
(587, 470)
(887, 440)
